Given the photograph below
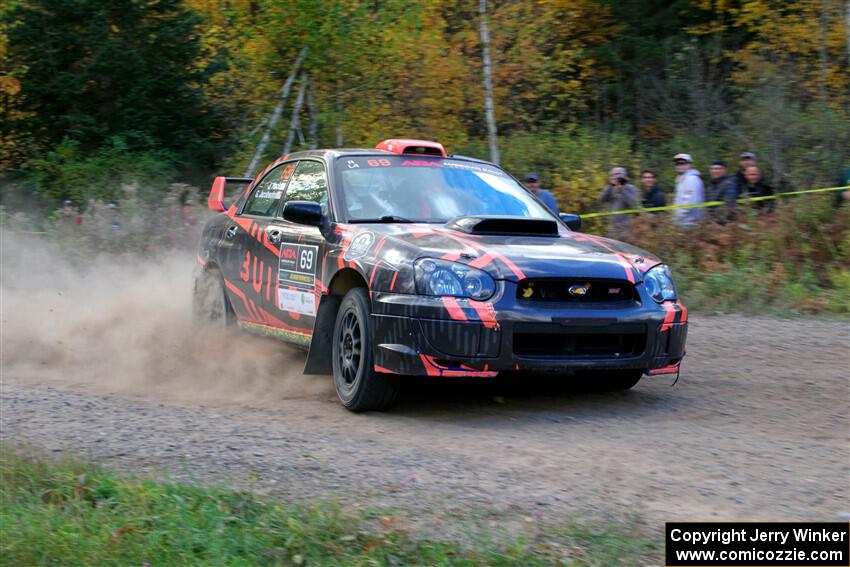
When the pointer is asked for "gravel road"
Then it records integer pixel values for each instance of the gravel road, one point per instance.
(756, 429)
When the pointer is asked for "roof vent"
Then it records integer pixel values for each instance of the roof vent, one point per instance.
(414, 147)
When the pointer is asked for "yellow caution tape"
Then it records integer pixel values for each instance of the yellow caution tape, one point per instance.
(709, 203)
(692, 205)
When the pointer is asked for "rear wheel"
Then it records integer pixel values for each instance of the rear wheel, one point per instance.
(210, 304)
(611, 380)
(358, 386)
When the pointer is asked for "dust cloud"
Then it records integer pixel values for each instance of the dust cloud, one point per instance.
(123, 324)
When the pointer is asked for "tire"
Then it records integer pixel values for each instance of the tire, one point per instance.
(611, 380)
(210, 305)
(357, 384)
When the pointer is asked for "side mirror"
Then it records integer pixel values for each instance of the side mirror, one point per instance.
(572, 221)
(303, 212)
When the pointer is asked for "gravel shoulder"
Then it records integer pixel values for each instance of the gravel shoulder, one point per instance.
(756, 429)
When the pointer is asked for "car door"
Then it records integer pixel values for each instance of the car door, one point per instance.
(251, 261)
(302, 249)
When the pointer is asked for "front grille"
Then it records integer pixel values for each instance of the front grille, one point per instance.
(595, 290)
(556, 341)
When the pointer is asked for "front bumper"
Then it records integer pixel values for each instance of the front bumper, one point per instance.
(419, 335)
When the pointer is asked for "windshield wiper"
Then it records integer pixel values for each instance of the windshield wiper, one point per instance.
(385, 218)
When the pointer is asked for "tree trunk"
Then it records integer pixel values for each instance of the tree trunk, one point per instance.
(278, 110)
(296, 116)
(488, 86)
(313, 129)
(340, 140)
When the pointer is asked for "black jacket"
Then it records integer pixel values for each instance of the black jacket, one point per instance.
(655, 198)
(760, 189)
(723, 189)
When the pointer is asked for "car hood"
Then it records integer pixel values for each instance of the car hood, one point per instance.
(515, 257)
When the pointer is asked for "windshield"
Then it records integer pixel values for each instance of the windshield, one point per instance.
(422, 189)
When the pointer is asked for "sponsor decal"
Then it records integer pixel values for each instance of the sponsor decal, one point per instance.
(296, 301)
(359, 246)
(286, 172)
(473, 167)
(420, 163)
(271, 194)
(296, 290)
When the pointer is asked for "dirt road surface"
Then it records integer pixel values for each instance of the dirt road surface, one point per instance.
(756, 429)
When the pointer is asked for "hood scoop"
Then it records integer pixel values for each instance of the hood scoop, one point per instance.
(504, 225)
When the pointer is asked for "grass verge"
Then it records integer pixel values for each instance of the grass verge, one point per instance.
(73, 513)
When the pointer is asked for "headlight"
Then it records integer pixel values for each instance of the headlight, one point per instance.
(441, 277)
(659, 284)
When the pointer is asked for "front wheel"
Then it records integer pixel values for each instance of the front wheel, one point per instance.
(358, 386)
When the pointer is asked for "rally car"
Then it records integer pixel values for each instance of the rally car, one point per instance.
(402, 260)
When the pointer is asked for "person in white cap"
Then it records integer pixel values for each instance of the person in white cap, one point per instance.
(689, 191)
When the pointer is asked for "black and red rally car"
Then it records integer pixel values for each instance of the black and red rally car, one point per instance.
(402, 260)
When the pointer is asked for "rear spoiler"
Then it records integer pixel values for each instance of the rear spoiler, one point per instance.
(216, 199)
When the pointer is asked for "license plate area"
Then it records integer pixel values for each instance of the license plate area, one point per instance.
(613, 341)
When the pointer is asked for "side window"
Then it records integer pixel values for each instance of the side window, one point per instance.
(309, 184)
(266, 197)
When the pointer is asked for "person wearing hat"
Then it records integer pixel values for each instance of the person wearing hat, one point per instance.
(721, 187)
(69, 213)
(532, 181)
(689, 191)
(619, 195)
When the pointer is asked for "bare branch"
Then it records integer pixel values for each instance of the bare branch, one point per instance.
(275, 116)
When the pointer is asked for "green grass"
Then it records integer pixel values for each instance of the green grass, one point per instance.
(73, 513)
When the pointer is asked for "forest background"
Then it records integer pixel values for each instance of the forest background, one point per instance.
(117, 101)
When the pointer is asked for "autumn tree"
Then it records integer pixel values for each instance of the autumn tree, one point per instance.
(791, 84)
(91, 70)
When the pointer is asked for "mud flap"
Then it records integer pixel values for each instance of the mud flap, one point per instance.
(319, 355)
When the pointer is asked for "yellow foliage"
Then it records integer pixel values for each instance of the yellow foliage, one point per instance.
(9, 85)
(803, 39)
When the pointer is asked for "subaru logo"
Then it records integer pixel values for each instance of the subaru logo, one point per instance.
(578, 290)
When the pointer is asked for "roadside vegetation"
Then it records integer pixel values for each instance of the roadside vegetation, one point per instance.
(71, 513)
(794, 261)
(117, 102)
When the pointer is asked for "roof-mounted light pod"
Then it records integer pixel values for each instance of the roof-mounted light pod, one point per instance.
(413, 147)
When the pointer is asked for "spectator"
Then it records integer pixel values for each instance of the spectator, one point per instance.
(69, 212)
(187, 215)
(755, 186)
(652, 194)
(745, 160)
(619, 195)
(843, 196)
(722, 187)
(532, 181)
(114, 216)
(689, 191)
